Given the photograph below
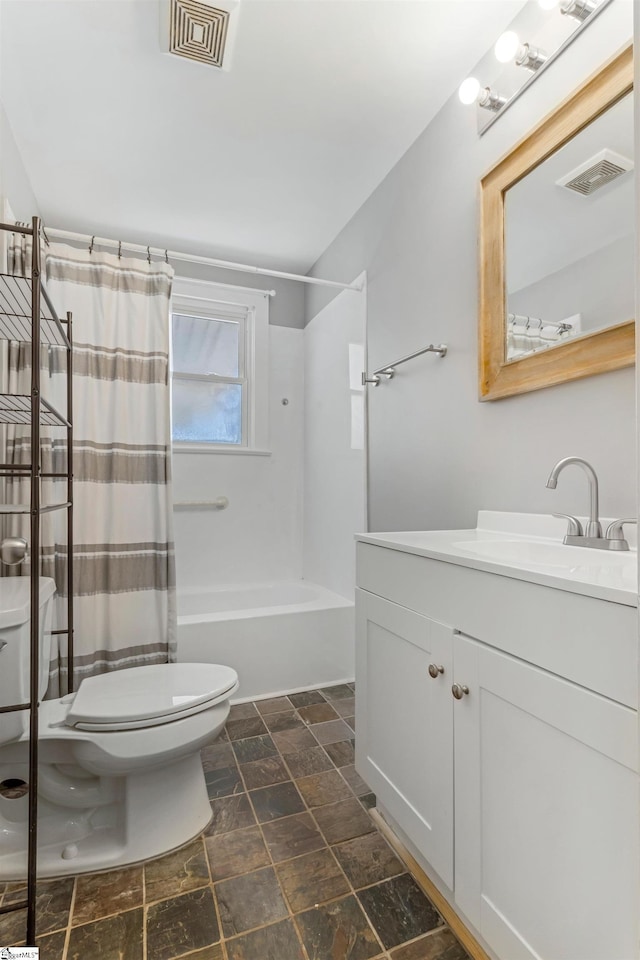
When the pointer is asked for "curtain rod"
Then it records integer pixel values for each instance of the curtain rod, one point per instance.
(191, 258)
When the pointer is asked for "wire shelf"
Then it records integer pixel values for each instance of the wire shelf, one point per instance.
(28, 315)
(15, 408)
(15, 313)
(9, 508)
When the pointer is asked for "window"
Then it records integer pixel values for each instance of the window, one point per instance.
(209, 386)
(219, 369)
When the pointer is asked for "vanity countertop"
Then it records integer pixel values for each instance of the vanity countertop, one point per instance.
(526, 546)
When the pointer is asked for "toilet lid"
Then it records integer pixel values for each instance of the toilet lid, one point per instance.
(140, 696)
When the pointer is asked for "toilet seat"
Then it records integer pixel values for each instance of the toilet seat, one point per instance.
(149, 696)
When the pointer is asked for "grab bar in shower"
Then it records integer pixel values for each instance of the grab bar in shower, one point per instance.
(389, 370)
(220, 503)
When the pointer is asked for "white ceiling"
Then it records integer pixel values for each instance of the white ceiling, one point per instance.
(266, 162)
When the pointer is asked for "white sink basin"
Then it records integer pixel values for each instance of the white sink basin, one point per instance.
(556, 555)
(526, 547)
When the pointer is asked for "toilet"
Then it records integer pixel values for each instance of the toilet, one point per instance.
(120, 777)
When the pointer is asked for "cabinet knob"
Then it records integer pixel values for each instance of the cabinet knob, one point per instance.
(435, 670)
(459, 690)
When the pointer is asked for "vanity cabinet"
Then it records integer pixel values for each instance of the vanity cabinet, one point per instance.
(546, 811)
(521, 797)
(407, 716)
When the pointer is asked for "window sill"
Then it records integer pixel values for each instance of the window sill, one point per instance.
(182, 447)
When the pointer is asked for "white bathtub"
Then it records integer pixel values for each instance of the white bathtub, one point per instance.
(280, 637)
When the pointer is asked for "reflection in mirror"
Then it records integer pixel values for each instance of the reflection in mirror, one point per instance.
(569, 238)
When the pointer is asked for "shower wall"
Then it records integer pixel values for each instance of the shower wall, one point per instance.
(334, 451)
(292, 514)
(259, 535)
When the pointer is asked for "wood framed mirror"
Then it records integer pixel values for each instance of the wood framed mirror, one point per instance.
(557, 244)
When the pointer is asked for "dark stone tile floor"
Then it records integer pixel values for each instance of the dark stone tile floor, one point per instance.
(291, 866)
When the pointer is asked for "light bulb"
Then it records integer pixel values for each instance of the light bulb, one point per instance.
(548, 4)
(469, 90)
(507, 46)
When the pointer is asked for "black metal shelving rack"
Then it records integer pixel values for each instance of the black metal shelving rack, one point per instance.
(27, 315)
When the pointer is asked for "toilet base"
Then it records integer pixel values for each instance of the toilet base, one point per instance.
(152, 813)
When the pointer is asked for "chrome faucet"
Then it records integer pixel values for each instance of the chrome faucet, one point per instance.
(592, 537)
(593, 527)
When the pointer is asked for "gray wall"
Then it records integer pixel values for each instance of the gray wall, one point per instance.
(286, 309)
(437, 455)
(600, 287)
(14, 182)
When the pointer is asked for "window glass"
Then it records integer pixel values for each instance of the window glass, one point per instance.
(206, 346)
(207, 412)
(219, 369)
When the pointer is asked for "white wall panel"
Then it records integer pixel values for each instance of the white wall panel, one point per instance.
(334, 457)
(259, 536)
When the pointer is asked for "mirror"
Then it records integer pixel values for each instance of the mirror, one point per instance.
(558, 244)
(569, 238)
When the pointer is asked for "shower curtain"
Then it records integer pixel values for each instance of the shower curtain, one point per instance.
(124, 573)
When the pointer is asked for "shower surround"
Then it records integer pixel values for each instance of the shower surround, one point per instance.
(280, 637)
(267, 584)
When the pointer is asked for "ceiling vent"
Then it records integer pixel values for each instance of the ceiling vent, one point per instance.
(595, 173)
(199, 31)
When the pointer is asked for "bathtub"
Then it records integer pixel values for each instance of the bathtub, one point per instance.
(280, 637)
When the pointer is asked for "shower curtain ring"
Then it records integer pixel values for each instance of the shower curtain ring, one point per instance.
(119, 249)
(166, 256)
(91, 245)
(149, 255)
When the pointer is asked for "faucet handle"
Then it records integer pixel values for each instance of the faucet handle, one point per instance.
(614, 530)
(574, 528)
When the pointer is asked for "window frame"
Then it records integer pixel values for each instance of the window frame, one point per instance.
(205, 299)
(241, 380)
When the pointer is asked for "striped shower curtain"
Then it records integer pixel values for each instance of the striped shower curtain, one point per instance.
(124, 573)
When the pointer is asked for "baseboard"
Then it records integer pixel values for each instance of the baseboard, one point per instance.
(464, 935)
(285, 693)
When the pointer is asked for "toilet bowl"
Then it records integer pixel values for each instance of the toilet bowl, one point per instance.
(120, 777)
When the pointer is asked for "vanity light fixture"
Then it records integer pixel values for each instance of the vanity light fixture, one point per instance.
(577, 9)
(508, 47)
(537, 22)
(470, 92)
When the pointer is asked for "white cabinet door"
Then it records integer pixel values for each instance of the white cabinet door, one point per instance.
(546, 815)
(404, 747)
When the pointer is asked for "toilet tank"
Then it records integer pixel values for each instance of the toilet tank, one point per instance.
(15, 617)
